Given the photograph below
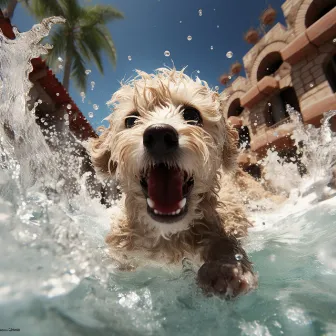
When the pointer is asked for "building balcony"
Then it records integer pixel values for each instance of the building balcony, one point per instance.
(317, 34)
(235, 121)
(313, 113)
(277, 136)
(262, 90)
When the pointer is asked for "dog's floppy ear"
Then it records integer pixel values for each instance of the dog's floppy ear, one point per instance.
(100, 153)
(230, 147)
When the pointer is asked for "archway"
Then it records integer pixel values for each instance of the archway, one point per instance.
(235, 108)
(276, 108)
(269, 65)
(317, 10)
(330, 72)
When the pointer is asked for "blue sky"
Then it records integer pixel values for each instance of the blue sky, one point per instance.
(151, 27)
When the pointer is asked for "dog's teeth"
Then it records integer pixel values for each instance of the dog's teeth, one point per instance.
(177, 211)
(182, 203)
(156, 212)
(150, 203)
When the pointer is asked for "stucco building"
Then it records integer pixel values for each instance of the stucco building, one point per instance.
(293, 65)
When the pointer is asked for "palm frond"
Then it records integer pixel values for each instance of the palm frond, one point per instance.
(59, 42)
(108, 44)
(72, 11)
(91, 53)
(42, 8)
(78, 71)
(99, 14)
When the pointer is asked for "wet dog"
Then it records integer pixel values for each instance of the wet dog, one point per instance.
(168, 146)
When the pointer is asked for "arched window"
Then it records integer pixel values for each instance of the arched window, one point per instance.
(276, 108)
(330, 73)
(235, 108)
(269, 65)
(317, 10)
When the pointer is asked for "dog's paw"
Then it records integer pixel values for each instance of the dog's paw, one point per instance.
(226, 280)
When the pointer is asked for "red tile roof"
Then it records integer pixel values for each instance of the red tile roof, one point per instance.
(79, 125)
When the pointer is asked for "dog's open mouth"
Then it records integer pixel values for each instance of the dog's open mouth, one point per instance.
(166, 190)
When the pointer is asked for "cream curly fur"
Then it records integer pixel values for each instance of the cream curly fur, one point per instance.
(206, 153)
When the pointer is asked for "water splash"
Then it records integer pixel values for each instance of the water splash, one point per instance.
(315, 155)
(42, 186)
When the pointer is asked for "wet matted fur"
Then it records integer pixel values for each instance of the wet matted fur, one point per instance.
(205, 153)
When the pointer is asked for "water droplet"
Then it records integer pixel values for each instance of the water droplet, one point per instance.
(60, 66)
(93, 85)
(95, 107)
(229, 54)
(180, 21)
(217, 26)
(311, 85)
(40, 101)
(129, 58)
(57, 94)
(214, 9)
(238, 256)
(334, 40)
(167, 53)
(211, 47)
(200, 12)
(82, 94)
(90, 114)
(216, 88)
(189, 38)
(198, 71)
(229, 77)
(69, 106)
(87, 72)
(269, 104)
(60, 59)
(66, 117)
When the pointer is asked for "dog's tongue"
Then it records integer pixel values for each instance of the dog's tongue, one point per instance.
(165, 188)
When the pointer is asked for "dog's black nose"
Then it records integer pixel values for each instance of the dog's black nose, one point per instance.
(160, 139)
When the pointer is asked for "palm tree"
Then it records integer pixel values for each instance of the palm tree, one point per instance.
(84, 36)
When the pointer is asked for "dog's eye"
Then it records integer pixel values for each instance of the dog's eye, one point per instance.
(131, 119)
(191, 115)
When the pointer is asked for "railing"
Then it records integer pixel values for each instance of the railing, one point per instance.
(281, 122)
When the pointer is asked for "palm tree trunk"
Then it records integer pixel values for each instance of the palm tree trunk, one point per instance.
(9, 11)
(67, 67)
